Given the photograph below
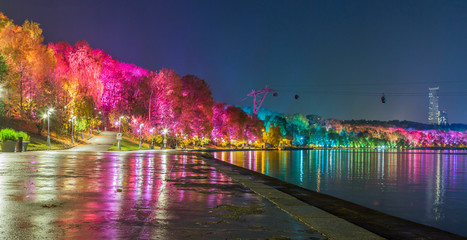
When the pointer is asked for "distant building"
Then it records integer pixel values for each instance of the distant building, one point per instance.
(433, 110)
(443, 118)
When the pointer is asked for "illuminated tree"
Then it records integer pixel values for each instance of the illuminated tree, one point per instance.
(28, 61)
(253, 129)
(197, 104)
(77, 73)
(85, 68)
(219, 131)
(297, 126)
(131, 85)
(166, 107)
(112, 81)
(273, 135)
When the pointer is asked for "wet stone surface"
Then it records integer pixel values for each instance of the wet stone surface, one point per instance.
(137, 195)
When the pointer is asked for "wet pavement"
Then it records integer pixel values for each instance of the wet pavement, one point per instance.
(132, 195)
(100, 143)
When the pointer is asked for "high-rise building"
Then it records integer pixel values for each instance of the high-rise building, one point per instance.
(433, 110)
(443, 117)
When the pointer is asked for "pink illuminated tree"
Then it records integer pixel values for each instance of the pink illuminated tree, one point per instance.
(197, 104)
(219, 122)
(166, 107)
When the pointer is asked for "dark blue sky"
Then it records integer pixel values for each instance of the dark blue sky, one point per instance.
(339, 56)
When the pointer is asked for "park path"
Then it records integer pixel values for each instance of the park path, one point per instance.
(132, 195)
(103, 142)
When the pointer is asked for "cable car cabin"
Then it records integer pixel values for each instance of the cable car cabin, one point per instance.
(383, 99)
(296, 96)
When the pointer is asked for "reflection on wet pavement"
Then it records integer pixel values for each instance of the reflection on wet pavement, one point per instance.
(138, 195)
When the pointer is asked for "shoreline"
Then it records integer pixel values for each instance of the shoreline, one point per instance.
(382, 224)
(312, 148)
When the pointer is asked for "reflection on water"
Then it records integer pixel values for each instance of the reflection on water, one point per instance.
(428, 187)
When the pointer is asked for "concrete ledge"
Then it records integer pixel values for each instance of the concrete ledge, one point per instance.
(325, 223)
(327, 214)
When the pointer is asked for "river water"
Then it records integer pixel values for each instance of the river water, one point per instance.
(424, 186)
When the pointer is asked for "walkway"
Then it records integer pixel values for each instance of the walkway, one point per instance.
(103, 142)
(132, 195)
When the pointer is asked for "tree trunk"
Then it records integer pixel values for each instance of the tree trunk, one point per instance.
(39, 126)
(21, 93)
(150, 100)
(9, 103)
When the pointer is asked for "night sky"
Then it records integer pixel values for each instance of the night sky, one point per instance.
(338, 56)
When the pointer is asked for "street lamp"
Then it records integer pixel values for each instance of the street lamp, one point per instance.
(48, 124)
(119, 123)
(140, 139)
(164, 132)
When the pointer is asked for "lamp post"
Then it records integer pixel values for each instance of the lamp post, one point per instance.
(48, 125)
(164, 132)
(119, 123)
(140, 132)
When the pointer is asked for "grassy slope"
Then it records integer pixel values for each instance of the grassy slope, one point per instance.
(37, 142)
(127, 144)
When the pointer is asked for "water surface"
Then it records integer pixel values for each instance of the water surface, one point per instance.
(425, 186)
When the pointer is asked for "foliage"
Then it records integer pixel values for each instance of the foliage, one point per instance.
(3, 108)
(29, 66)
(3, 68)
(90, 85)
(197, 106)
(22, 134)
(81, 124)
(8, 134)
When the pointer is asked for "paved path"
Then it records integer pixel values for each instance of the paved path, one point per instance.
(132, 195)
(100, 143)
